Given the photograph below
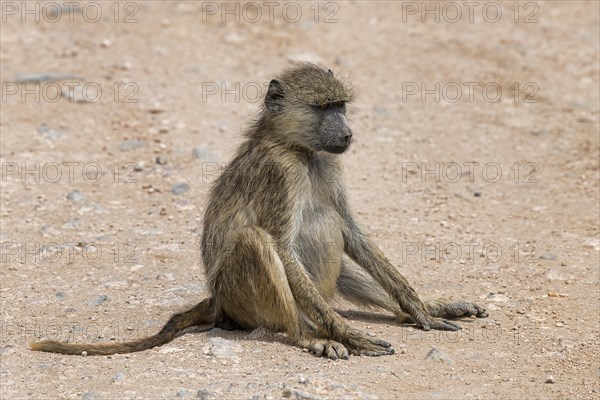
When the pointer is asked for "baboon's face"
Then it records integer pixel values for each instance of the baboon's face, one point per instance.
(311, 114)
(333, 134)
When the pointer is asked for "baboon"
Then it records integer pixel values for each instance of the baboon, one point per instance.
(280, 241)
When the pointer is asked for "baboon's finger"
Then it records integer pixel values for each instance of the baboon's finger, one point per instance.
(464, 309)
(445, 325)
(481, 312)
(330, 352)
(374, 353)
(340, 349)
(380, 342)
(359, 344)
(317, 349)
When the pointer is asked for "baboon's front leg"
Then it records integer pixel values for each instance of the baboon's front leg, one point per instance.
(328, 323)
(355, 285)
(359, 247)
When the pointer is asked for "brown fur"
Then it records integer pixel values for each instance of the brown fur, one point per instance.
(280, 240)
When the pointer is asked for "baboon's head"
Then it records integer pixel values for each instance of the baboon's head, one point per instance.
(307, 105)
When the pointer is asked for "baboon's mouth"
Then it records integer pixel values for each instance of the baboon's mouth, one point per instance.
(337, 149)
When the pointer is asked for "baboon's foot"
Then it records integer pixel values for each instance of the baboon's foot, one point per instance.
(439, 324)
(325, 347)
(361, 345)
(427, 322)
(443, 309)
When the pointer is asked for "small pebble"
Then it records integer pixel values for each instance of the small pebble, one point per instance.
(202, 153)
(99, 300)
(48, 132)
(84, 353)
(566, 343)
(156, 109)
(187, 289)
(550, 379)
(380, 110)
(76, 94)
(182, 393)
(132, 144)
(71, 312)
(548, 256)
(169, 276)
(89, 395)
(436, 355)
(119, 376)
(554, 274)
(75, 195)
(45, 77)
(161, 160)
(203, 394)
(180, 189)
(234, 38)
(72, 223)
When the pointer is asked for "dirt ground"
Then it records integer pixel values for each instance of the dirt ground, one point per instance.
(475, 168)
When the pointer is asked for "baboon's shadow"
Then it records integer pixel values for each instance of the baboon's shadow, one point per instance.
(265, 336)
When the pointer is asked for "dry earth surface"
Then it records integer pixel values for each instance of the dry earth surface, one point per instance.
(88, 257)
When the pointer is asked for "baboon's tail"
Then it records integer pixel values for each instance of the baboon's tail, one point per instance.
(201, 314)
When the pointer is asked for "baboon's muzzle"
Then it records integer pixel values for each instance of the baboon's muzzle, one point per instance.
(340, 138)
(341, 146)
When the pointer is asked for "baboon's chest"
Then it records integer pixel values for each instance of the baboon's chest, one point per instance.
(319, 243)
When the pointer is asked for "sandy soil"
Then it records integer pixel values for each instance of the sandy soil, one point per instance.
(110, 256)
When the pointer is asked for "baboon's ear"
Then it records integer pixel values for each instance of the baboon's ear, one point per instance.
(330, 72)
(273, 100)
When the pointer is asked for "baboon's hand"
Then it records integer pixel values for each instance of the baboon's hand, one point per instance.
(443, 309)
(360, 344)
(463, 309)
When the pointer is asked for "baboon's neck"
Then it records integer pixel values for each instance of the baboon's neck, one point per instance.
(266, 131)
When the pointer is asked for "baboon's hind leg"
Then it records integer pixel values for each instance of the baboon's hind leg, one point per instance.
(256, 293)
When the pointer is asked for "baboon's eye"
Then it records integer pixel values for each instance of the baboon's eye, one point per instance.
(327, 106)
